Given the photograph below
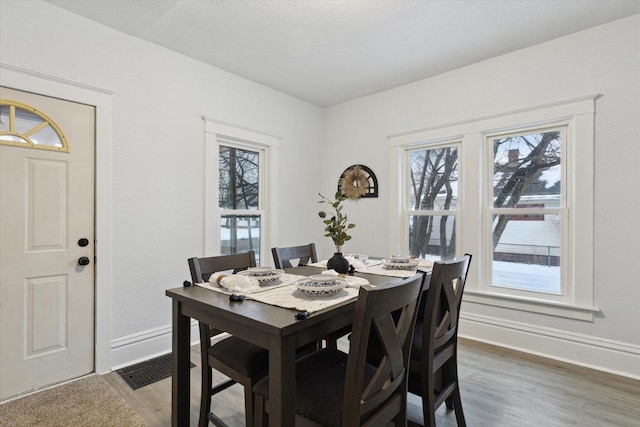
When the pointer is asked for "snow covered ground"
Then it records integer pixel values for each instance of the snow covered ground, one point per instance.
(527, 276)
(537, 278)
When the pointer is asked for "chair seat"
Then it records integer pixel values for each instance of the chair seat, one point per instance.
(320, 381)
(242, 356)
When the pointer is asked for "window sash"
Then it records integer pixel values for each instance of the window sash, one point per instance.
(243, 213)
(410, 211)
(233, 186)
(488, 284)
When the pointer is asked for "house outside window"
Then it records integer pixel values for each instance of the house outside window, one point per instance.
(519, 197)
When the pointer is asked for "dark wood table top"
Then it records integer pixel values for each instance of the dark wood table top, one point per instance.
(267, 318)
(271, 327)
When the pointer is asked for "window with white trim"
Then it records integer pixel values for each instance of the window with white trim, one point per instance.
(432, 211)
(525, 178)
(239, 165)
(520, 199)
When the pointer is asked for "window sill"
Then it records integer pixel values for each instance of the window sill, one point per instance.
(571, 311)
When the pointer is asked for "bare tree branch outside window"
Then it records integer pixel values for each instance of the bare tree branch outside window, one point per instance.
(239, 179)
(520, 164)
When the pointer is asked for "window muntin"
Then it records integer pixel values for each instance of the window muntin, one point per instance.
(24, 126)
(526, 183)
(433, 202)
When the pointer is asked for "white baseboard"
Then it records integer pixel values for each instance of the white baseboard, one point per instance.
(145, 345)
(584, 350)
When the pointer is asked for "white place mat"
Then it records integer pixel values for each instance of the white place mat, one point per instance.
(382, 271)
(290, 297)
(285, 280)
(284, 294)
(367, 263)
(352, 281)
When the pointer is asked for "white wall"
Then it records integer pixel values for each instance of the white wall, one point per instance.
(603, 60)
(157, 149)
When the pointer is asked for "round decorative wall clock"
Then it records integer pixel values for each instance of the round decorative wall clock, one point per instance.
(358, 181)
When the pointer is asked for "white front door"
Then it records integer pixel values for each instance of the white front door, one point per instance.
(46, 209)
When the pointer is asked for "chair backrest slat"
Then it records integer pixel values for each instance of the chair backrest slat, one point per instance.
(305, 254)
(202, 268)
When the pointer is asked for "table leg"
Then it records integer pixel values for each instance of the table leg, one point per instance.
(181, 331)
(282, 381)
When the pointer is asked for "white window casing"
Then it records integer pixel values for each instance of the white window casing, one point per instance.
(576, 119)
(217, 134)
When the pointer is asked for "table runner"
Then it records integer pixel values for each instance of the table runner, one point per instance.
(356, 264)
(376, 267)
(285, 294)
(381, 270)
(285, 280)
(290, 297)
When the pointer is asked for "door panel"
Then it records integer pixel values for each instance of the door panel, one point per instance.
(45, 317)
(46, 206)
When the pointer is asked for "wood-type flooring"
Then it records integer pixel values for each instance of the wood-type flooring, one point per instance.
(499, 388)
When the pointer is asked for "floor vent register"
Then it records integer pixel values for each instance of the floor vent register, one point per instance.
(147, 372)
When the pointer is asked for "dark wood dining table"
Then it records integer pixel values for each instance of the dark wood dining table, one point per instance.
(268, 326)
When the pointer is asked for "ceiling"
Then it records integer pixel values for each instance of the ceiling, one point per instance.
(332, 51)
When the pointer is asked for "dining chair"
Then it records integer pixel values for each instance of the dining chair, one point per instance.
(242, 362)
(305, 254)
(433, 367)
(338, 389)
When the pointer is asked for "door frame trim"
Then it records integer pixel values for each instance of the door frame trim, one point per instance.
(44, 84)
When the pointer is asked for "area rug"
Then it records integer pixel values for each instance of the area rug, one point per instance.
(86, 402)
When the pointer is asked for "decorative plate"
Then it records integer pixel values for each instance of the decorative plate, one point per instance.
(320, 284)
(263, 274)
(358, 257)
(400, 259)
(393, 265)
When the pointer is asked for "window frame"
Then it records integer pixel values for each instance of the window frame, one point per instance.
(220, 134)
(578, 115)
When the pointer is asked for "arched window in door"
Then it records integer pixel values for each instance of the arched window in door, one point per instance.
(24, 126)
